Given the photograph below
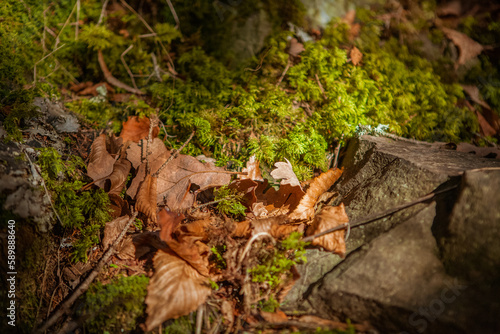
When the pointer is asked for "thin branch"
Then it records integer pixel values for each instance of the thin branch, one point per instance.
(174, 14)
(122, 57)
(288, 64)
(64, 26)
(45, 57)
(77, 23)
(372, 218)
(173, 155)
(251, 241)
(337, 152)
(103, 12)
(206, 204)
(111, 79)
(66, 305)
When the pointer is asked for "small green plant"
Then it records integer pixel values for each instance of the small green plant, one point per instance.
(86, 211)
(287, 254)
(216, 256)
(115, 307)
(230, 201)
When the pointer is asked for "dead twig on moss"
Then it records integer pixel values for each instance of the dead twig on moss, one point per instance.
(111, 79)
(122, 57)
(371, 219)
(80, 290)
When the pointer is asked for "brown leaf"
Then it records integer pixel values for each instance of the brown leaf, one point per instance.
(146, 242)
(286, 196)
(486, 129)
(356, 56)
(136, 128)
(247, 188)
(188, 247)
(252, 169)
(242, 229)
(305, 209)
(100, 161)
(197, 228)
(126, 250)
(136, 152)
(469, 48)
(146, 197)
(474, 94)
(174, 181)
(116, 181)
(113, 229)
(118, 207)
(277, 316)
(284, 171)
(227, 312)
(176, 289)
(453, 8)
(330, 217)
(295, 47)
(276, 226)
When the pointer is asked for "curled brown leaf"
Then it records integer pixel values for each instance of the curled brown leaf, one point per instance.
(100, 161)
(146, 197)
(330, 217)
(176, 289)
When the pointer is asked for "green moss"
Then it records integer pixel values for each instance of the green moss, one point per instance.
(230, 202)
(86, 211)
(116, 307)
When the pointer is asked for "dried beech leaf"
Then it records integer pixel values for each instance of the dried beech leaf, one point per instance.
(146, 197)
(284, 171)
(274, 226)
(100, 161)
(175, 180)
(118, 207)
(284, 200)
(242, 229)
(330, 217)
(259, 210)
(252, 169)
(146, 242)
(295, 48)
(137, 128)
(474, 94)
(247, 188)
(469, 48)
(275, 317)
(116, 181)
(197, 228)
(176, 289)
(305, 209)
(136, 152)
(356, 56)
(485, 126)
(113, 229)
(188, 247)
(126, 250)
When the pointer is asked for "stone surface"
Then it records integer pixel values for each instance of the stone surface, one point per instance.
(431, 268)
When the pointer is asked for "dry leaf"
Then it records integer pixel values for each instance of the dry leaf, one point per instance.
(137, 128)
(146, 197)
(126, 250)
(242, 229)
(197, 228)
(259, 210)
(176, 289)
(486, 129)
(305, 209)
(289, 284)
(118, 207)
(174, 181)
(469, 48)
(474, 94)
(295, 47)
(453, 8)
(113, 229)
(284, 171)
(252, 169)
(330, 217)
(227, 312)
(100, 161)
(247, 188)
(136, 152)
(188, 247)
(146, 242)
(116, 181)
(277, 316)
(275, 226)
(356, 56)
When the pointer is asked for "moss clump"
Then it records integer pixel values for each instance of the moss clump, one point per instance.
(116, 307)
(86, 211)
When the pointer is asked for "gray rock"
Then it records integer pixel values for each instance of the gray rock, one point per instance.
(424, 269)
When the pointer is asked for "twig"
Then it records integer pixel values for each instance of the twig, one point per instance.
(370, 219)
(64, 26)
(337, 151)
(173, 155)
(260, 64)
(320, 85)
(65, 307)
(206, 204)
(174, 14)
(111, 79)
(126, 66)
(103, 12)
(284, 71)
(77, 23)
(34, 169)
(45, 57)
(250, 242)
(199, 319)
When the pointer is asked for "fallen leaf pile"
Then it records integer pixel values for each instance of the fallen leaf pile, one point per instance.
(172, 193)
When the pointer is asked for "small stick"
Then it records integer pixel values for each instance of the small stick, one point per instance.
(103, 12)
(206, 204)
(80, 290)
(174, 14)
(250, 242)
(77, 19)
(45, 57)
(111, 79)
(337, 151)
(126, 66)
(370, 219)
(199, 319)
(284, 72)
(64, 26)
(173, 155)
